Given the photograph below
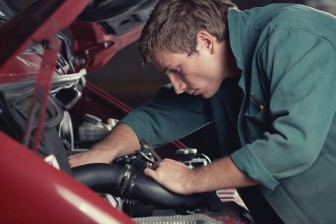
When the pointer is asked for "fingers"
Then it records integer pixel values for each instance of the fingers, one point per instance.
(74, 160)
(156, 170)
(171, 174)
(149, 172)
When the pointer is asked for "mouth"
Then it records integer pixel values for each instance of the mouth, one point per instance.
(193, 92)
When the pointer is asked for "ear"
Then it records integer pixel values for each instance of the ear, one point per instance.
(206, 40)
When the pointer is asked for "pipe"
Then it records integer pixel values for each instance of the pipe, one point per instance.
(133, 185)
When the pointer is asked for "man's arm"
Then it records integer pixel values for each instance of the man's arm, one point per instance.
(174, 175)
(177, 177)
(119, 142)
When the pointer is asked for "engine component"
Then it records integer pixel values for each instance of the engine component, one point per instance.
(180, 219)
(148, 148)
(191, 158)
(93, 129)
(133, 185)
(66, 131)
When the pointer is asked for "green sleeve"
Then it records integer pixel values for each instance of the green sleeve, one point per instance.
(168, 117)
(300, 68)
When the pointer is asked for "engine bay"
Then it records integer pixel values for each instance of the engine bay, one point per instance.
(123, 184)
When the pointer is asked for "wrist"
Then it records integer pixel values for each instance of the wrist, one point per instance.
(192, 182)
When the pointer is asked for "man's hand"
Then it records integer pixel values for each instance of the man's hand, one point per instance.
(91, 156)
(177, 177)
(173, 175)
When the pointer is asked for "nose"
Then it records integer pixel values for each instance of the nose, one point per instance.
(178, 85)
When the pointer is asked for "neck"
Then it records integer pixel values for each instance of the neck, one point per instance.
(230, 66)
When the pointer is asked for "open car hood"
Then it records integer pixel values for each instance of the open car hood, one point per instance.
(98, 29)
(37, 22)
(48, 43)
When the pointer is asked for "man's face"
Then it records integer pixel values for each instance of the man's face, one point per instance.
(195, 74)
(199, 74)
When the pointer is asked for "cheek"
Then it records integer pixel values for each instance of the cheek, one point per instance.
(196, 77)
(196, 73)
(193, 77)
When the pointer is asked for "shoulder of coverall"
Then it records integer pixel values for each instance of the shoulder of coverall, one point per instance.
(246, 26)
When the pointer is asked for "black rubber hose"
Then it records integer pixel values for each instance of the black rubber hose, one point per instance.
(133, 185)
(102, 178)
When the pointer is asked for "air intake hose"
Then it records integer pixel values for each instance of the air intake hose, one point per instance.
(133, 185)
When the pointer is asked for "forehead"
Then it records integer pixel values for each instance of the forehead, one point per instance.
(165, 59)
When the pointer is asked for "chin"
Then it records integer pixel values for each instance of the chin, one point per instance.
(207, 96)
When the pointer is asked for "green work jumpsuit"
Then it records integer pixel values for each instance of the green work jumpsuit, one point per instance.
(285, 119)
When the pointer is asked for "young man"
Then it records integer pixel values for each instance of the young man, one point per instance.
(266, 77)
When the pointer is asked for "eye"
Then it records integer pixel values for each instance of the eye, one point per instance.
(174, 70)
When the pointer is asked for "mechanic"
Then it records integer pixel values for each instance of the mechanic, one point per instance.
(266, 76)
